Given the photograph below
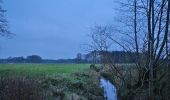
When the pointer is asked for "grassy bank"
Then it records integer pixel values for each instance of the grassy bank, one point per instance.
(129, 87)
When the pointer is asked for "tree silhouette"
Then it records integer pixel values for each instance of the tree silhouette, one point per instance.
(4, 28)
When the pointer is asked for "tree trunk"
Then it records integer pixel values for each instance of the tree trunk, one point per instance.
(150, 86)
(168, 78)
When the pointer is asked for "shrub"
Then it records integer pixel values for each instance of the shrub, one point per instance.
(93, 67)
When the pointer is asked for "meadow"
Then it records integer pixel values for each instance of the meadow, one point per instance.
(49, 82)
(39, 69)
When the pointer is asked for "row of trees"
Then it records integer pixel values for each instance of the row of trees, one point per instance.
(145, 31)
(116, 57)
(92, 57)
(28, 59)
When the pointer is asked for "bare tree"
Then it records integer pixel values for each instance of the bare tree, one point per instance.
(155, 14)
(4, 28)
(142, 27)
(100, 42)
(145, 31)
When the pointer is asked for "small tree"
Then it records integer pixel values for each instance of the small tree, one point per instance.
(79, 58)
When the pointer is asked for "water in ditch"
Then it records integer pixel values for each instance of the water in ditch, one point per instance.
(109, 89)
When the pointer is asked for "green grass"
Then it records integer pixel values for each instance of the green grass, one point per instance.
(71, 81)
(34, 69)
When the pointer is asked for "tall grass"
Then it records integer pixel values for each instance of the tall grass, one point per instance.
(21, 88)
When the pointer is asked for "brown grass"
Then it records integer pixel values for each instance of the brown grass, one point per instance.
(21, 88)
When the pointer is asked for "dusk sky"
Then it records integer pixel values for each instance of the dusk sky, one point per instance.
(52, 28)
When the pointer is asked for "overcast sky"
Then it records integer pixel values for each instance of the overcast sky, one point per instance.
(52, 28)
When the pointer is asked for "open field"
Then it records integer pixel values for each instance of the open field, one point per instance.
(56, 82)
(33, 69)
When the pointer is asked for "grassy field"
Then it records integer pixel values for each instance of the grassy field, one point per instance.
(34, 69)
(56, 82)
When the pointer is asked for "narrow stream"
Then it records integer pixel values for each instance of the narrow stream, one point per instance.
(109, 89)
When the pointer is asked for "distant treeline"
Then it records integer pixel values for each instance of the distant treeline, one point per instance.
(105, 56)
(34, 59)
(92, 57)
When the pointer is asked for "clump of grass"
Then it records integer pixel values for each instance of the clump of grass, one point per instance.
(94, 67)
(84, 84)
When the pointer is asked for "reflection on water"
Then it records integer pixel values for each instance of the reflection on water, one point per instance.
(109, 90)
